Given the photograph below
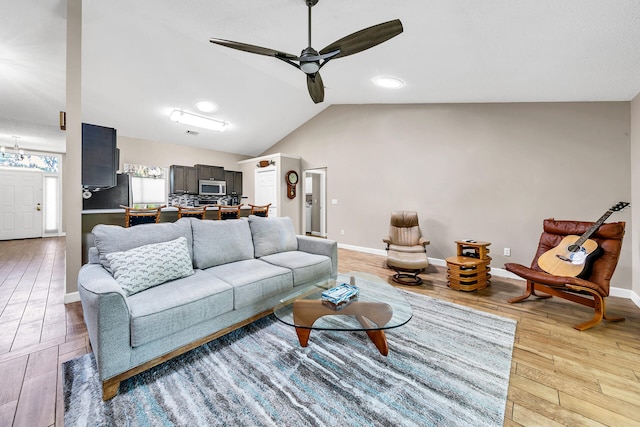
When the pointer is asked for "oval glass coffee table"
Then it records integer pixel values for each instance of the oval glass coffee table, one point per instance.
(378, 306)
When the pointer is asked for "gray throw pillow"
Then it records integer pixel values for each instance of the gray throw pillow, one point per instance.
(150, 265)
(113, 238)
(272, 235)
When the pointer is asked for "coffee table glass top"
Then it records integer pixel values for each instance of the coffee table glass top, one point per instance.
(378, 306)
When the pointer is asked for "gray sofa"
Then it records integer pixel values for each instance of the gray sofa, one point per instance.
(154, 291)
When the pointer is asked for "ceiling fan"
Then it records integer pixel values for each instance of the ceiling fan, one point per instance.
(310, 61)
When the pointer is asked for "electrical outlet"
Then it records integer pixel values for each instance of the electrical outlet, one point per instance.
(507, 251)
(342, 232)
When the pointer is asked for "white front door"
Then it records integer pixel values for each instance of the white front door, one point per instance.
(20, 204)
(267, 189)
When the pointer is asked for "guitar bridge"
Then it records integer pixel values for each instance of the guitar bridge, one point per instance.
(563, 258)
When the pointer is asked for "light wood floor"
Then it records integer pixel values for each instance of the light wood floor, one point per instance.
(559, 376)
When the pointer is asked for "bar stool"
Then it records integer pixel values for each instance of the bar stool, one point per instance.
(260, 210)
(229, 212)
(137, 216)
(192, 211)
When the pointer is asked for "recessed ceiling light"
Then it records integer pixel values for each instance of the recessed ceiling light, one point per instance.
(388, 82)
(205, 106)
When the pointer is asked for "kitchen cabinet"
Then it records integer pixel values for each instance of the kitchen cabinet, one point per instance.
(234, 182)
(100, 157)
(215, 173)
(183, 179)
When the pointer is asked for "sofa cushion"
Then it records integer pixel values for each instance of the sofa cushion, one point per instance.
(113, 238)
(174, 306)
(272, 235)
(253, 280)
(150, 265)
(221, 242)
(306, 267)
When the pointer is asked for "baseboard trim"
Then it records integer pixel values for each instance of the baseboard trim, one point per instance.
(635, 298)
(498, 272)
(71, 297)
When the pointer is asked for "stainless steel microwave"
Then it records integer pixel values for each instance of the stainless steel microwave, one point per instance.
(207, 187)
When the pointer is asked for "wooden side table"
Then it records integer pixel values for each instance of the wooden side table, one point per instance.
(469, 269)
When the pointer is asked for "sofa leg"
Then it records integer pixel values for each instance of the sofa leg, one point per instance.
(110, 389)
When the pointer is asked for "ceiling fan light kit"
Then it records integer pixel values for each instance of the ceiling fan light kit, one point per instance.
(311, 61)
(198, 121)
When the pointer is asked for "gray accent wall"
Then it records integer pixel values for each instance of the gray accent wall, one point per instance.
(488, 172)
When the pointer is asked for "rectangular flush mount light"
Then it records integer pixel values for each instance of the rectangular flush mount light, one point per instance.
(197, 121)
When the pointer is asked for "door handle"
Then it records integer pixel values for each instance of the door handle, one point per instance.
(38, 207)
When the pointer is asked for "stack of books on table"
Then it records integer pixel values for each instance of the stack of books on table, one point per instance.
(339, 296)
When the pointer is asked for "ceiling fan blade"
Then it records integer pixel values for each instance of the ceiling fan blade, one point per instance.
(253, 49)
(316, 87)
(364, 39)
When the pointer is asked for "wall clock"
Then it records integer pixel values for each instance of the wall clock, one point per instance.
(292, 179)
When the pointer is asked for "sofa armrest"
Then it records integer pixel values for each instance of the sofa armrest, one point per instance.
(106, 314)
(315, 245)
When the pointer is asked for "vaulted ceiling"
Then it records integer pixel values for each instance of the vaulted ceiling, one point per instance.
(142, 59)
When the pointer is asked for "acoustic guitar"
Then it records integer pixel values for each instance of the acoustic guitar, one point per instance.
(572, 256)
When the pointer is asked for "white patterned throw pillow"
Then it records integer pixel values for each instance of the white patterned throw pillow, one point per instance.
(150, 265)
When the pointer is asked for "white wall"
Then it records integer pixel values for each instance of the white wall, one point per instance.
(489, 172)
(154, 153)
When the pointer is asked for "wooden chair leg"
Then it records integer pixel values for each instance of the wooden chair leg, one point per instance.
(531, 290)
(599, 314)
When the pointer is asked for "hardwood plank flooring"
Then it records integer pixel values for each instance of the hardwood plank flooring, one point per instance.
(559, 376)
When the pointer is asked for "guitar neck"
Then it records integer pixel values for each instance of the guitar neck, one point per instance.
(593, 228)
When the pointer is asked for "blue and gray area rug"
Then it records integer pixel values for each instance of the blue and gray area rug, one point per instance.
(449, 366)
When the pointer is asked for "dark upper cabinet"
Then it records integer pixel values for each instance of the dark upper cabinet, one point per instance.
(183, 179)
(215, 173)
(234, 182)
(99, 157)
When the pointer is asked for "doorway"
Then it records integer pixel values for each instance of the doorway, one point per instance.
(20, 204)
(315, 211)
(266, 189)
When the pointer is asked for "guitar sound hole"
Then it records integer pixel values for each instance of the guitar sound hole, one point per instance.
(573, 248)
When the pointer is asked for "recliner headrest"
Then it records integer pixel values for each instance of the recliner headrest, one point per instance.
(404, 219)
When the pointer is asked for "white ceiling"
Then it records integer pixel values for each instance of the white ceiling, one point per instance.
(143, 58)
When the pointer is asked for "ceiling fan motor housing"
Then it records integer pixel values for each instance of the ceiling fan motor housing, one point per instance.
(309, 66)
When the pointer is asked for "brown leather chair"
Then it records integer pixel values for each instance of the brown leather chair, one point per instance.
(258, 210)
(589, 290)
(406, 248)
(137, 216)
(229, 212)
(192, 212)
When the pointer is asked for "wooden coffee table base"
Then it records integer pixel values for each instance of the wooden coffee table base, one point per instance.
(306, 312)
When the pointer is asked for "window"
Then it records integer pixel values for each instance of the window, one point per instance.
(51, 198)
(41, 162)
(148, 185)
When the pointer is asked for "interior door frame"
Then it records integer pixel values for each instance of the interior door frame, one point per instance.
(322, 198)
